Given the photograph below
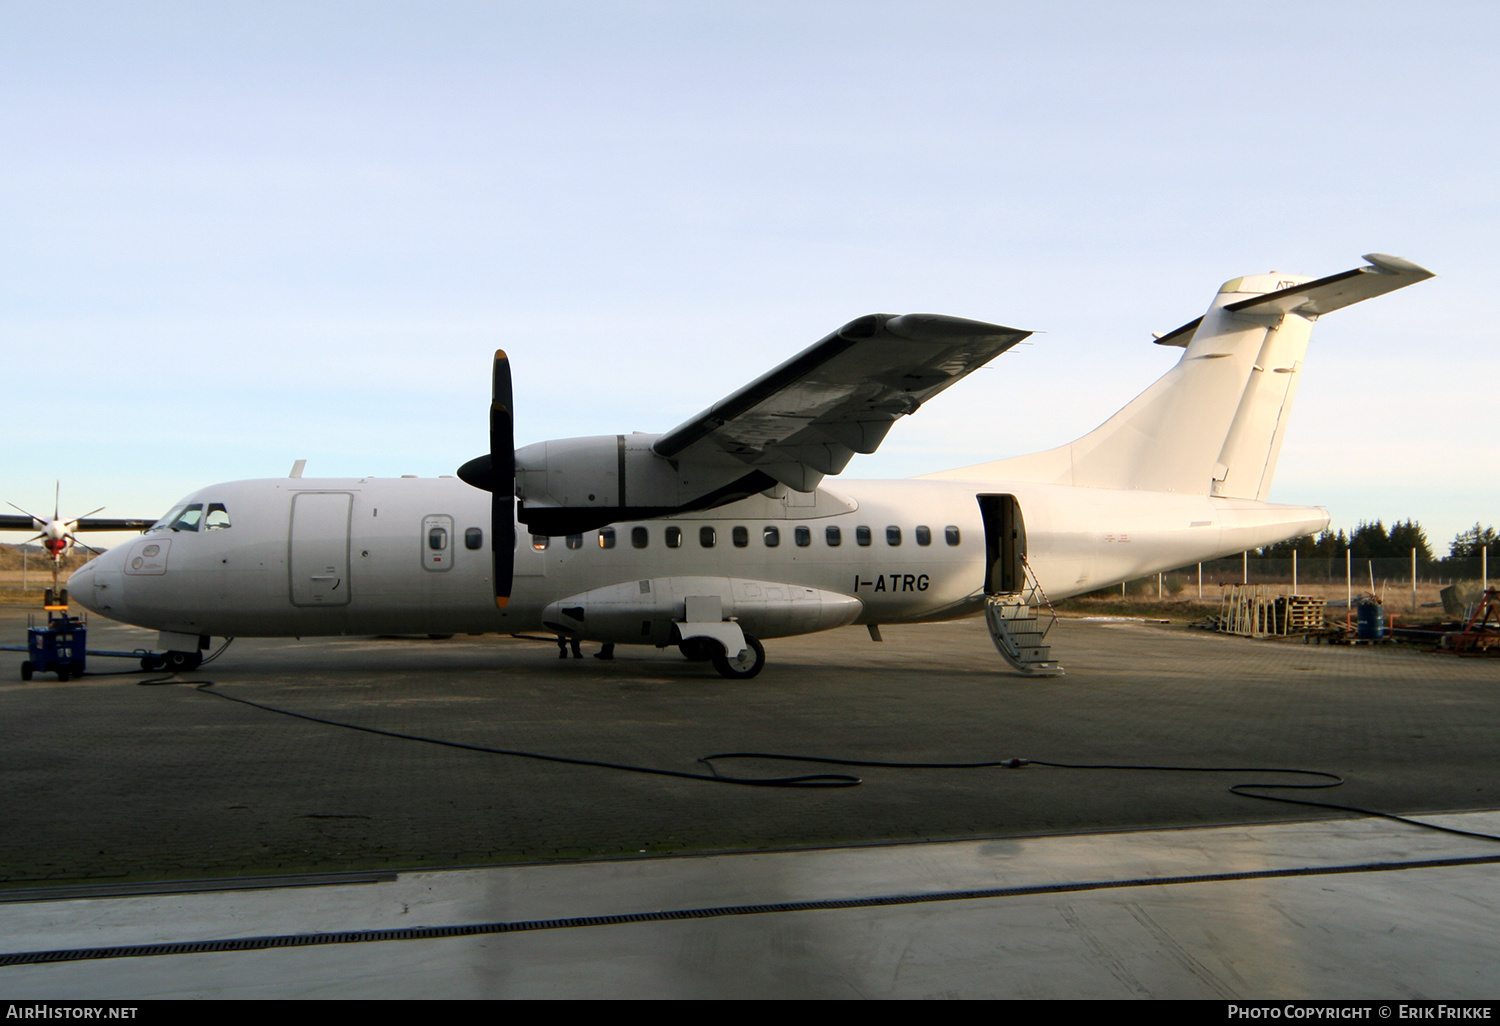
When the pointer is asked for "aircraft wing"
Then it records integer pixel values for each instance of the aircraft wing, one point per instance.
(12, 522)
(108, 524)
(808, 417)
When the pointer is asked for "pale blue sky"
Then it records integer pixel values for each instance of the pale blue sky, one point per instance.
(234, 235)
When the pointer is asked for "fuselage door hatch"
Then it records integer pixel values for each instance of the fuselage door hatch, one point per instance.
(1004, 544)
(319, 548)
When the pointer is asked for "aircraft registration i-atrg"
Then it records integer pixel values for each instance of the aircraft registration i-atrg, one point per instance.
(722, 532)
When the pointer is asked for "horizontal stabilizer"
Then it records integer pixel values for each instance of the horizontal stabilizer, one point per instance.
(1314, 298)
(1180, 336)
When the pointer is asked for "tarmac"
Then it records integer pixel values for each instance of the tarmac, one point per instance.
(120, 796)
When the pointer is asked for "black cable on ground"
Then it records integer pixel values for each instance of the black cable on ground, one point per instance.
(1242, 790)
(834, 780)
(810, 780)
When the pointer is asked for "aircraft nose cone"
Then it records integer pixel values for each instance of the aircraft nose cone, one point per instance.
(98, 585)
(81, 586)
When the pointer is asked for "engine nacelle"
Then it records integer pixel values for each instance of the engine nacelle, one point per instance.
(570, 485)
(646, 612)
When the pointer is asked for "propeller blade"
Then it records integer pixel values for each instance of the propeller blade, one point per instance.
(39, 521)
(83, 545)
(502, 477)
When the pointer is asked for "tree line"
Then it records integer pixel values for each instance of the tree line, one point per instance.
(1376, 541)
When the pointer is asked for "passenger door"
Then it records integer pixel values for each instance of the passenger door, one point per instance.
(1004, 544)
(318, 559)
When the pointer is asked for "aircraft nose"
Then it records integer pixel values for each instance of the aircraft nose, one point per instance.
(98, 585)
(81, 585)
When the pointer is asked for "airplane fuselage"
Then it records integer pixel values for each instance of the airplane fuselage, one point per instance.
(307, 557)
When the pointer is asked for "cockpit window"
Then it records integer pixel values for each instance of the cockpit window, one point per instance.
(217, 517)
(168, 520)
(189, 518)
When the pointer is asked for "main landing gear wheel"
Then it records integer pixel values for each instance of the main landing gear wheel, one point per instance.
(179, 662)
(746, 666)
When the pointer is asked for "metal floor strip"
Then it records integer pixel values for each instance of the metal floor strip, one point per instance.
(478, 929)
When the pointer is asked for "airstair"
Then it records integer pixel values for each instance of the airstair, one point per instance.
(1019, 623)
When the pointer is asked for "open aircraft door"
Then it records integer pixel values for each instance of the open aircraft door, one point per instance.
(318, 556)
(1004, 545)
(1016, 627)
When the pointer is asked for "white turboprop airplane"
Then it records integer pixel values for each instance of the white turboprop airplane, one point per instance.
(720, 532)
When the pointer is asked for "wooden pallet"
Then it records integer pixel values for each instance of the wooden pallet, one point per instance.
(1257, 611)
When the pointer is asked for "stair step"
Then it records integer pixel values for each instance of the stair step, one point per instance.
(1019, 634)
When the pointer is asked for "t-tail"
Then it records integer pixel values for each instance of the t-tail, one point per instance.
(1213, 424)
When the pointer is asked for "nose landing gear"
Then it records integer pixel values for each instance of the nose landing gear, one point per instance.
(177, 662)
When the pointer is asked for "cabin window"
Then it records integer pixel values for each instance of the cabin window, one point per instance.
(674, 537)
(771, 536)
(639, 537)
(540, 541)
(437, 539)
(741, 536)
(950, 534)
(893, 536)
(924, 534)
(473, 537)
(802, 536)
(834, 537)
(707, 537)
(217, 518)
(188, 519)
(862, 535)
(573, 541)
(606, 537)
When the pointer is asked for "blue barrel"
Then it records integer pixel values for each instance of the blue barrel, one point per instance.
(1371, 622)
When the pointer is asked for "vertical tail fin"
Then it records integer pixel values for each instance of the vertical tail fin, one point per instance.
(1214, 423)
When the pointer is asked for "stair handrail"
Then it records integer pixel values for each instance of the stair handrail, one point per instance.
(1036, 589)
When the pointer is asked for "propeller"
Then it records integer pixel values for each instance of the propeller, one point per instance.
(496, 474)
(57, 534)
